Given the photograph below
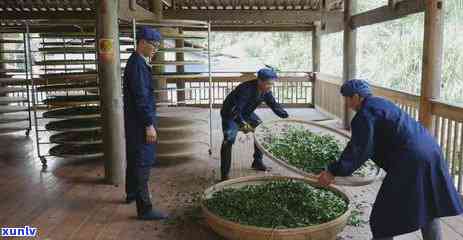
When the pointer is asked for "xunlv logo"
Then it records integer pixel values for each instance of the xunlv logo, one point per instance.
(19, 232)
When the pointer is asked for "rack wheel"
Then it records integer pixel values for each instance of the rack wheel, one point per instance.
(44, 162)
(210, 151)
(28, 131)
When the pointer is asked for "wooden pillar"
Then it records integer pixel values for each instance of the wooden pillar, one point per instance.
(432, 59)
(180, 56)
(160, 83)
(316, 53)
(109, 75)
(2, 56)
(349, 56)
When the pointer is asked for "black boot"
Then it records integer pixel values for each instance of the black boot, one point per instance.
(225, 160)
(258, 163)
(130, 198)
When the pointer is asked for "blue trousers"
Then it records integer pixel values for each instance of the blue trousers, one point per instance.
(230, 129)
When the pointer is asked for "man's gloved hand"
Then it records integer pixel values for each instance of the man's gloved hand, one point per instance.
(246, 128)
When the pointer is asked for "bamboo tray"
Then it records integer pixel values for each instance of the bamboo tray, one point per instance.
(278, 125)
(12, 70)
(62, 50)
(74, 112)
(12, 51)
(13, 118)
(11, 61)
(8, 100)
(235, 231)
(5, 90)
(77, 151)
(65, 87)
(14, 81)
(66, 101)
(11, 41)
(75, 125)
(64, 62)
(77, 138)
(12, 109)
(75, 43)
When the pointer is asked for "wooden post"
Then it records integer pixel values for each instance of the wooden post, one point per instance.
(109, 75)
(316, 48)
(349, 56)
(160, 83)
(432, 59)
(2, 56)
(180, 56)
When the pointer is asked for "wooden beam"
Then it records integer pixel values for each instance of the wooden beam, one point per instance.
(387, 13)
(262, 28)
(432, 59)
(20, 15)
(316, 42)
(244, 16)
(129, 9)
(349, 56)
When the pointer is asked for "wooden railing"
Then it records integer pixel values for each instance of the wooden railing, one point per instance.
(448, 130)
(291, 90)
(448, 119)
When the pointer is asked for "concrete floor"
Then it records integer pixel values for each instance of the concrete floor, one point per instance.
(69, 199)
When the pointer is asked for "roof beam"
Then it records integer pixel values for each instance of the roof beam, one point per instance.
(241, 16)
(387, 13)
(17, 15)
(262, 28)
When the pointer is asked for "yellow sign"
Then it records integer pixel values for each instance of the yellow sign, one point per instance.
(106, 49)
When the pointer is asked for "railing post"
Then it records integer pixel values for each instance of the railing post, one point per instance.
(432, 59)
(180, 56)
(349, 56)
(316, 52)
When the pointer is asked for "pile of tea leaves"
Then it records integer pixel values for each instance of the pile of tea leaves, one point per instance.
(277, 204)
(308, 151)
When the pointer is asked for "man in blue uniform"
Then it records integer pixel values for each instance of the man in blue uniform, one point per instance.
(238, 114)
(417, 190)
(139, 112)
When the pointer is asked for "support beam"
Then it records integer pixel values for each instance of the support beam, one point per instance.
(21, 15)
(247, 16)
(261, 28)
(349, 56)
(316, 53)
(432, 59)
(387, 13)
(160, 83)
(129, 9)
(109, 73)
(316, 42)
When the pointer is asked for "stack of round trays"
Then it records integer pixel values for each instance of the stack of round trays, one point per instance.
(76, 121)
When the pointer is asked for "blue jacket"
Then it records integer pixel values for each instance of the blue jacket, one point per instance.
(244, 99)
(417, 187)
(139, 109)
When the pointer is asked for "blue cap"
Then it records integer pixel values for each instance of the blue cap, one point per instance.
(267, 74)
(148, 34)
(356, 86)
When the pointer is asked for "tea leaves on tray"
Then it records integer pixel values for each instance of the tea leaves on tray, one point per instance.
(278, 204)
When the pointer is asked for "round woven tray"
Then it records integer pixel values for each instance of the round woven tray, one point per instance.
(235, 231)
(77, 138)
(74, 125)
(74, 112)
(279, 125)
(77, 151)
